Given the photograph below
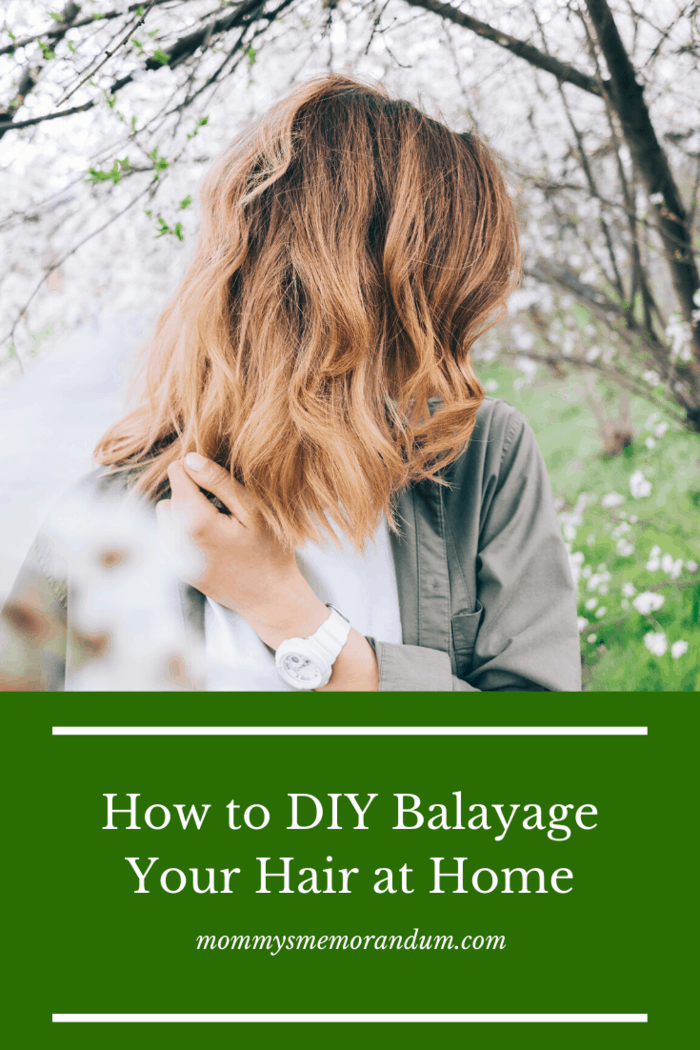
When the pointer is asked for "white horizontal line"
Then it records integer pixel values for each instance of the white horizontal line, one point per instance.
(345, 1018)
(349, 730)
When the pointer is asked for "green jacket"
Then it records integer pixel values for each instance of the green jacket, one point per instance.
(486, 597)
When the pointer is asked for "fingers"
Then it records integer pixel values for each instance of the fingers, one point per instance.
(186, 493)
(216, 479)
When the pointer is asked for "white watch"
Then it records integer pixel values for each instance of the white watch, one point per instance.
(306, 663)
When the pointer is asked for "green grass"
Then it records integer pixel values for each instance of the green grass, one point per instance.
(669, 518)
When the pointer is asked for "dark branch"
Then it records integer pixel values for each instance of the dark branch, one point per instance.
(561, 70)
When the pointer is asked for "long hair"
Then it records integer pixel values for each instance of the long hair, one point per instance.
(351, 251)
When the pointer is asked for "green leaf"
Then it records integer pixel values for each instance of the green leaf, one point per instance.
(159, 163)
(177, 230)
(71, 46)
(161, 56)
(11, 34)
(186, 202)
(114, 174)
(251, 56)
(46, 51)
(56, 16)
(203, 121)
(137, 43)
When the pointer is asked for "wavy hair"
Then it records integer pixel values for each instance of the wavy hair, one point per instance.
(351, 251)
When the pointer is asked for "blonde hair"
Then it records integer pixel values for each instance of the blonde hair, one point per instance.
(351, 251)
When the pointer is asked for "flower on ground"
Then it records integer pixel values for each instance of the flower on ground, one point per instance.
(629, 590)
(673, 568)
(655, 642)
(651, 377)
(654, 562)
(678, 649)
(582, 623)
(624, 548)
(612, 499)
(591, 603)
(490, 386)
(648, 601)
(661, 429)
(591, 638)
(601, 612)
(640, 487)
(649, 442)
(692, 566)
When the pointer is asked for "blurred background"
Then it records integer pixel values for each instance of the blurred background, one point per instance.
(111, 112)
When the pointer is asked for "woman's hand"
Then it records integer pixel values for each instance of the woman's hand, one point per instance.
(245, 568)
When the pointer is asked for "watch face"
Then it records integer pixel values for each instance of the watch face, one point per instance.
(300, 669)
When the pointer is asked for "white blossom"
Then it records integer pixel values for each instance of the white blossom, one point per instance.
(655, 642)
(649, 442)
(629, 590)
(692, 566)
(651, 377)
(625, 549)
(612, 499)
(681, 335)
(678, 649)
(673, 568)
(591, 638)
(600, 613)
(633, 519)
(639, 485)
(582, 623)
(648, 601)
(490, 386)
(591, 603)
(661, 429)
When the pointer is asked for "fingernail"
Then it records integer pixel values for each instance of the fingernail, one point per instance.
(194, 461)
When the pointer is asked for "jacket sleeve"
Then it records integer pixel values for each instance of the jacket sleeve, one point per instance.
(528, 636)
(33, 624)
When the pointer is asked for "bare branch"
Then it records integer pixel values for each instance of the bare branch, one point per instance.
(108, 54)
(562, 71)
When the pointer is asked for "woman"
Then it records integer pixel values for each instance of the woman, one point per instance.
(312, 376)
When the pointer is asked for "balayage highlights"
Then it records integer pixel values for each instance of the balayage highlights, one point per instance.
(351, 251)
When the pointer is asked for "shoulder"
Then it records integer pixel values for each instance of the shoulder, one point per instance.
(499, 425)
(499, 432)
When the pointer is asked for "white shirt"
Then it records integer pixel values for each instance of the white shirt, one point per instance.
(362, 587)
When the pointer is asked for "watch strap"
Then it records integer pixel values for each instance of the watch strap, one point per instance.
(332, 634)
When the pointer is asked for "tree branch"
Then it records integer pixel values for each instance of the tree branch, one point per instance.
(183, 47)
(561, 70)
(627, 97)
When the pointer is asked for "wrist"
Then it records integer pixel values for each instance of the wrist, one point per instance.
(293, 615)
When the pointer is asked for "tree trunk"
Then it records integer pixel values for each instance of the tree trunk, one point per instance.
(627, 98)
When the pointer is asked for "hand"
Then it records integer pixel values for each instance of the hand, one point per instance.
(245, 567)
